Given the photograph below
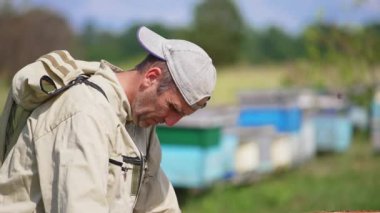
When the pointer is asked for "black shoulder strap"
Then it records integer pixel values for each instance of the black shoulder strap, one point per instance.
(46, 82)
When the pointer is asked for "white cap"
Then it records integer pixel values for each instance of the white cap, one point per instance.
(190, 66)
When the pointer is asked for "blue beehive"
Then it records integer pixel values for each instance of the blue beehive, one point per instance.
(278, 108)
(229, 145)
(333, 126)
(376, 110)
(284, 119)
(359, 117)
(198, 167)
(375, 122)
(193, 164)
(289, 112)
(333, 133)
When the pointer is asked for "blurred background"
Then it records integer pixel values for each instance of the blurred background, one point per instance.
(294, 123)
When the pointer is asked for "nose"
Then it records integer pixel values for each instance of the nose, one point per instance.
(172, 119)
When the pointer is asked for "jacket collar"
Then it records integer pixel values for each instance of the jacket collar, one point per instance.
(114, 91)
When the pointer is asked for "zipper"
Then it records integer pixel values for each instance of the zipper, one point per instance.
(132, 160)
(142, 173)
(118, 163)
(142, 160)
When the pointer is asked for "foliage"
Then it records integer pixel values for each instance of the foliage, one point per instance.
(271, 45)
(116, 48)
(218, 28)
(26, 36)
(99, 45)
(346, 55)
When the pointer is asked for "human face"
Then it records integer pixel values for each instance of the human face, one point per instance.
(151, 108)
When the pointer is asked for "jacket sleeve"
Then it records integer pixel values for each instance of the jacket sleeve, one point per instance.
(157, 193)
(78, 181)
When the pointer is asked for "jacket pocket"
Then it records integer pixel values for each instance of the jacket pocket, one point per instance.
(119, 186)
(130, 169)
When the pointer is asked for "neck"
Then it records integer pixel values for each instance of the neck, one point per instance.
(129, 80)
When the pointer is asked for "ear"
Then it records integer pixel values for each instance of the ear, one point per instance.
(152, 76)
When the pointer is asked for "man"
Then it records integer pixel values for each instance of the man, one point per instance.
(93, 147)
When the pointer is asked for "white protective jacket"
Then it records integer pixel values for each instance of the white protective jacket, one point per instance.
(69, 155)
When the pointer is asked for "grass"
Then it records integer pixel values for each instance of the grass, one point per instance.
(347, 181)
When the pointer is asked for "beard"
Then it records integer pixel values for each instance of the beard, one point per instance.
(143, 107)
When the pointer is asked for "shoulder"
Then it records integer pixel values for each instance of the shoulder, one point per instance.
(80, 101)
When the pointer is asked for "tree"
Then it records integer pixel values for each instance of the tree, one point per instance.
(25, 37)
(99, 45)
(6, 8)
(271, 45)
(347, 56)
(218, 28)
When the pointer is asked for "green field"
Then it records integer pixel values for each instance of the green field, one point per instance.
(347, 181)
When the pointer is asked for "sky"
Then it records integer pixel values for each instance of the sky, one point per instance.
(291, 15)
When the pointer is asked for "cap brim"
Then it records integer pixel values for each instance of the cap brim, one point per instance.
(151, 41)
